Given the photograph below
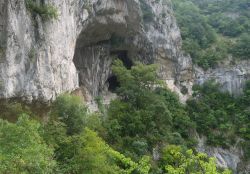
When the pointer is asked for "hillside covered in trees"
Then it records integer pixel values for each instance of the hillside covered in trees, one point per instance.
(214, 29)
(123, 137)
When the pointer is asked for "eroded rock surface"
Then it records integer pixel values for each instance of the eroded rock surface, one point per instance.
(231, 75)
(41, 59)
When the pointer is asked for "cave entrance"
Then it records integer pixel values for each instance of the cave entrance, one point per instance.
(123, 56)
(112, 81)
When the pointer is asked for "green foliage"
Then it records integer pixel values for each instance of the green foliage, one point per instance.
(81, 150)
(241, 48)
(85, 153)
(196, 33)
(11, 110)
(22, 148)
(187, 15)
(176, 160)
(45, 11)
(198, 21)
(228, 17)
(71, 111)
(219, 116)
(143, 115)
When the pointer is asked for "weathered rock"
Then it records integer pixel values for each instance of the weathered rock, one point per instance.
(231, 76)
(232, 158)
(41, 59)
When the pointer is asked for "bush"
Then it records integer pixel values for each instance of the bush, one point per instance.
(219, 116)
(241, 48)
(23, 149)
(144, 116)
(71, 111)
(45, 11)
(177, 160)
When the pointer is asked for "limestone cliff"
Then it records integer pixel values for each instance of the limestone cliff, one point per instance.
(42, 58)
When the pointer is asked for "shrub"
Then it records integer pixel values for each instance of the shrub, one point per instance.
(43, 10)
(148, 15)
(241, 48)
(71, 111)
(177, 160)
(23, 149)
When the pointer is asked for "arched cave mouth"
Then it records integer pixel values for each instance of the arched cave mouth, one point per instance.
(92, 63)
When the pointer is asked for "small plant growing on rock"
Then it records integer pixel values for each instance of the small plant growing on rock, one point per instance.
(45, 11)
(32, 54)
(2, 53)
(148, 15)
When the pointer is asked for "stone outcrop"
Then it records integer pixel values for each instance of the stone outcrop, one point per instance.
(232, 75)
(232, 158)
(40, 59)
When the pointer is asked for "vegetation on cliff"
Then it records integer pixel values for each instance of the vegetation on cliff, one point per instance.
(212, 30)
(145, 118)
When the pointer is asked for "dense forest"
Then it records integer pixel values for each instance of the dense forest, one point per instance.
(146, 129)
(212, 30)
(121, 138)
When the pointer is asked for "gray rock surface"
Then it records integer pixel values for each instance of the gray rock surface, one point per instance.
(224, 158)
(231, 76)
(41, 59)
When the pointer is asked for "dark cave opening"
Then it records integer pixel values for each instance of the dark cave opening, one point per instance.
(113, 83)
(123, 56)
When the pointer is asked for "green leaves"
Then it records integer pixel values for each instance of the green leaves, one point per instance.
(176, 160)
(210, 28)
(71, 111)
(22, 149)
(241, 48)
(146, 113)
(43, 10)
(219, 116)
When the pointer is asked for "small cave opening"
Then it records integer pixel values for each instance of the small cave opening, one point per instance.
(123, 56)
(113, 83)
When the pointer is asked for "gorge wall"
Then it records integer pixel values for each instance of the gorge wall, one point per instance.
(40, 59)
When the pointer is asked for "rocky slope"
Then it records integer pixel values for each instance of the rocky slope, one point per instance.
(40, 59)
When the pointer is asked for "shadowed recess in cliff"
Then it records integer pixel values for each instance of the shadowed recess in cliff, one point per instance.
(112, 81)
(123, 56)
(93, 64)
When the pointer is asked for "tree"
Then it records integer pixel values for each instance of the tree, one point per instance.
(242, 47)
(22, 150)
(71, 111)
(145, 114)
(89, 154)
(175, 160)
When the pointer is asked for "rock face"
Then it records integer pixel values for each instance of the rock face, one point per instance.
(231, 76)
(40, 59)
(226, 158)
